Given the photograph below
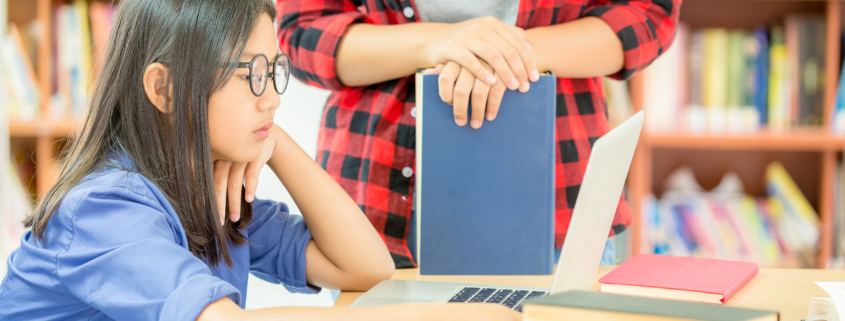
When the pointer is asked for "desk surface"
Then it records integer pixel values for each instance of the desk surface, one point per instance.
(785, 290)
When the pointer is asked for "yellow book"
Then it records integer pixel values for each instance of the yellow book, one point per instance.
(715, 75)
(778, 102)
(780, 184)
(80, 8)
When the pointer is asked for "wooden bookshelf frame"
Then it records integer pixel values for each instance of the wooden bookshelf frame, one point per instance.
(641, 177)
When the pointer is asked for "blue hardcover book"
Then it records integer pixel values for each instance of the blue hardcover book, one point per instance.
(761, 77)
(486, 197)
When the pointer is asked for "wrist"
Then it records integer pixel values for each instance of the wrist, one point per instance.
(430, 33)
(533, 37)
(278, 135)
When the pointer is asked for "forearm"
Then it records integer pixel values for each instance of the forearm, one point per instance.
(370, 54)
(341, 232)
(582, 48)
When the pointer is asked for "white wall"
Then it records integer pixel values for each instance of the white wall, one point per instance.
(299, 114)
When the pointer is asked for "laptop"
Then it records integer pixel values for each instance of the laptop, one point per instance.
(579, 260)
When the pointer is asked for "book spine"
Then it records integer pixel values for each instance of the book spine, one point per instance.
(761, 75)
(744, 280)
(418, 177)
(777, 81)
(549, 260)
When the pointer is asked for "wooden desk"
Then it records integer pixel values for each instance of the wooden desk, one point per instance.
(785, 290)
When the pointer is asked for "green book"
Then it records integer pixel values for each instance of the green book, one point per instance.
(581, 305)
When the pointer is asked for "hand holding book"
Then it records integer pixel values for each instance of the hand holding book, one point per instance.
(456, 85)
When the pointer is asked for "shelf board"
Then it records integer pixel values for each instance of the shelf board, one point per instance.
(806, 139)
(42, 128)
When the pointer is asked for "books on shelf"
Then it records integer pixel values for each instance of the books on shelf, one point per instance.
(72, 59)
(80, 36)
(19, 89)
(737, 81)
(781, 230)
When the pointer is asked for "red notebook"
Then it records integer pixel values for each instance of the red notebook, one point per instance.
(679, 278)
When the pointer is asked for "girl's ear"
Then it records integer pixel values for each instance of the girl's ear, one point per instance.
(155, 85)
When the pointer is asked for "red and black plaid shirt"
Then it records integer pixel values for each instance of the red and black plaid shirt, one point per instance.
(366, 139)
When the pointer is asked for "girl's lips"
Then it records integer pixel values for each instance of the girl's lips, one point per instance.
(264, 132)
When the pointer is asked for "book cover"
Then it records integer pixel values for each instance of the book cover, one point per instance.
(485, 197)
(691, 274)
(583, 305)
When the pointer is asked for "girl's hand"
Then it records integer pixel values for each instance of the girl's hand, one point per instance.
(455, 85)
(502, 46)
(232, 177)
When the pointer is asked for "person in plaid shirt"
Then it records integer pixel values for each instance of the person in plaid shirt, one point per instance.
(367, 51)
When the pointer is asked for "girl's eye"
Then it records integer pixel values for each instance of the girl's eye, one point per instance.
(244, 77)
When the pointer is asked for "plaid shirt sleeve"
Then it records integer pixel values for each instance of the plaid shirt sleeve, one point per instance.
(645, 27)
(310, 31)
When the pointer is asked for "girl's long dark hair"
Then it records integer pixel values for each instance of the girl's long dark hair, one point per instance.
(194, 39)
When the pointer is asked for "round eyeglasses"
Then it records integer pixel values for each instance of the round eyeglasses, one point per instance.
(260, 70)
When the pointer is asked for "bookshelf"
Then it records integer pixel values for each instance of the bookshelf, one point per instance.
(42, 138)
(809, 154)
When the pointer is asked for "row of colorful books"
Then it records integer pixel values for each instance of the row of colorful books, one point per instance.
(722, 80)
(80, 33)
(780, 230)
(19, 90)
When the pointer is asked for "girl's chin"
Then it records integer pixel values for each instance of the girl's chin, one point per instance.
(242, 156)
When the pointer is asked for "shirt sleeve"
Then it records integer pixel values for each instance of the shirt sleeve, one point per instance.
(126, 261)
(277, 242)
(309, 32)
(645, 27)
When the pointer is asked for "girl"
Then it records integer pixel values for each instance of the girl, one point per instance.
(130, 231)
(366, 52)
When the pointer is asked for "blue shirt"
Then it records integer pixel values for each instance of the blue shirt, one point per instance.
(115, 249)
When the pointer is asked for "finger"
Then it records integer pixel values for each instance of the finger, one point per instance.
(221, 176)
(434, 71)
(490, 54)
(463, 87)
(467, 59)
(512, 36)
(253, 170)
(236, 183)
(479, 103)
(446, 81)
(513, 54)
(494, 100)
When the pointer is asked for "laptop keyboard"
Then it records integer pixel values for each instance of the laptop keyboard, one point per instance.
(509, 298)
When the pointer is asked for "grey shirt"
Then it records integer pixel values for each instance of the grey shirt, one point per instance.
(450, 11)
